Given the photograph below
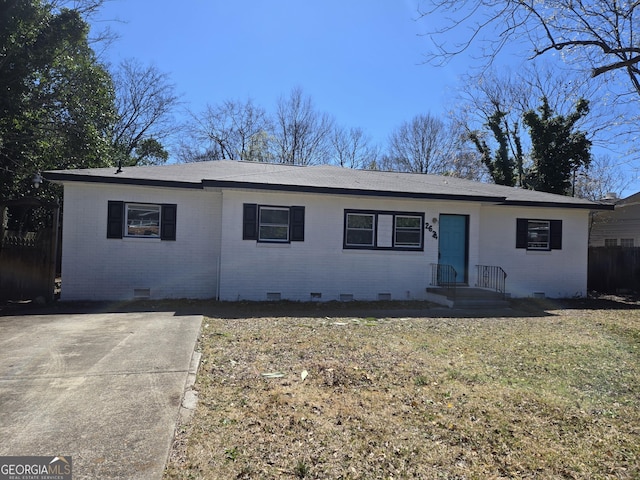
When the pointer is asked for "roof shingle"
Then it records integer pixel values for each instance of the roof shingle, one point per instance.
(321, 178)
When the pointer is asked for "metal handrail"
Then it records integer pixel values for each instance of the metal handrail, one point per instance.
(444, 275)
(492, 277)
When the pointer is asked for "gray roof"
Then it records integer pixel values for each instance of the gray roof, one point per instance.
(320, 179)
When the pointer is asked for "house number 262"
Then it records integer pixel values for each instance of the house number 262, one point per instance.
(429, 227)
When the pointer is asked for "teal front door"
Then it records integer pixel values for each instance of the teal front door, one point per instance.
(453, 244)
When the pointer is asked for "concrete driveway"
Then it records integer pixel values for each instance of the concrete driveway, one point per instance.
(102, 388)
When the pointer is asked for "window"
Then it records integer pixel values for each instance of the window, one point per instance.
(359, 229)
(626, 242)
(610, 242)
(142, 220)
(272, 224)
(408, 231)
(539, 234)
(381, 230)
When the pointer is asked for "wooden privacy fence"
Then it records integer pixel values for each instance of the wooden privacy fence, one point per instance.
(28, 258)
(614, 269)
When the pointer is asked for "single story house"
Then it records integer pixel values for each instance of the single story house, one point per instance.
(252, 231)
(618, 228)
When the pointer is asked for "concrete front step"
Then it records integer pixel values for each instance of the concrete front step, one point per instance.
(465, 297)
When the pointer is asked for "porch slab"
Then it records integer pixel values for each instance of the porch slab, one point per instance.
(466, 297)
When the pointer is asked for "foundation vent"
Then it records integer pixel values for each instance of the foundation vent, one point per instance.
(140, 293)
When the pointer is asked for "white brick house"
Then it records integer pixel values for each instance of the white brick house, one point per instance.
(252, 231)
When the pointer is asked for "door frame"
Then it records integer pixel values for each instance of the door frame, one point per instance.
(465, 279)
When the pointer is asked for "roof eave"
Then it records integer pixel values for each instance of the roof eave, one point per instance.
(60, 177)
(584, 206)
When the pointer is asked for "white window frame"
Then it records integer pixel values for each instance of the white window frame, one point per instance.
(610, 242)
(538, 225)
(261, 224)
(627, 242)
(142, 206)
(417, 229)
(372, 229)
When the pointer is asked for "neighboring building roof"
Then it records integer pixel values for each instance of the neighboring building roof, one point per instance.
(628, 201)
(319, 179)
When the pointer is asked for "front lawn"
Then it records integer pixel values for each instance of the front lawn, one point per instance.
(547, 396)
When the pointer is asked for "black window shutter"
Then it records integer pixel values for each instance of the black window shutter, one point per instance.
(522, 227)
(297, 224)
(250, 221)
(168, 221)
(555, 234)
(115, 219)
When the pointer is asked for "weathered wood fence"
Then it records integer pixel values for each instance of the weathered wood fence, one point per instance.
(614, 269)
(28, 259)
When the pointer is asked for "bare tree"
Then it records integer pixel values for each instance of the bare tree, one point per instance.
(597, 37)
(465, 163)
(232, 130)
(145, 99)
(302, 134)
(603, 176)
(423, 145)
(491, 108)
(352, 148)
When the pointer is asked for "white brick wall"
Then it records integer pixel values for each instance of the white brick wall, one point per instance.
(250, 269)
(556, 273)
(97, 268)
(209, 247)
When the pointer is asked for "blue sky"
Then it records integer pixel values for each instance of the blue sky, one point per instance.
(361, 61)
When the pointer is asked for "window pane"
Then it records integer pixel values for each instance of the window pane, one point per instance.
(360, 221)
(408, 238)
(610, 242)
(274, 233)
(143, 220)
(359, 237)
(626, 242)
(538, 234)
(274, 216)
(407, 222)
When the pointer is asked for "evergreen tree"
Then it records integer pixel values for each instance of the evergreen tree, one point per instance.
(501, 166)
(56, 100)
(557, 148)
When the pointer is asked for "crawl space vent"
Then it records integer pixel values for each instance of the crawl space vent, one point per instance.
(141, 293)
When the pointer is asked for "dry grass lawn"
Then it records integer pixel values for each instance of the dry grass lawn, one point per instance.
(552, 394)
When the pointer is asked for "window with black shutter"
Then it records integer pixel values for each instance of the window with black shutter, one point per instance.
(272, 224)
(141, 220)
(534, 234)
